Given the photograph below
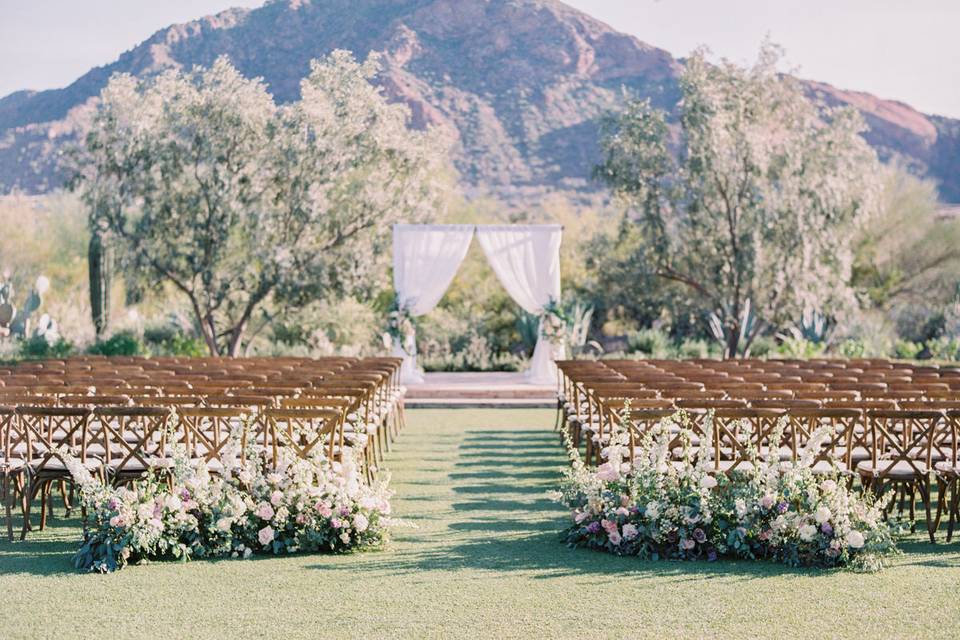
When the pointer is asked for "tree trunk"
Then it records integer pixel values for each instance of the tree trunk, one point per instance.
(733, 341)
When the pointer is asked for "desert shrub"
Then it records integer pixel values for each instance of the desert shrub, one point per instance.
(122, 343)
(39, 347)
(851, 348)
(653, 343)
(944, 348)
(907, 350)
(762, 347)
(695, 349)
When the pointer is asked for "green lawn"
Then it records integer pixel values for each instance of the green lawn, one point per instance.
(484, 561)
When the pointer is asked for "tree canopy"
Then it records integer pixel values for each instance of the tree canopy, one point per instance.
(748, 202)
(205, 183)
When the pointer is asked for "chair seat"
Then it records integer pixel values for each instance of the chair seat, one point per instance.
(901, 470)
(10, 465)
(57, 465)
(947, 469)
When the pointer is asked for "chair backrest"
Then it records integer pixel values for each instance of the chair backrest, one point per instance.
(304, 430)
(134, 439)
(46, 429)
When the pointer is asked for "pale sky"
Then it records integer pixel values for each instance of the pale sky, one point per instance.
(907, 50)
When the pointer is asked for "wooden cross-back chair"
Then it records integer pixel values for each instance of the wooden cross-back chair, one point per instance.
(12, 465)
(44, 431)
(901, 455)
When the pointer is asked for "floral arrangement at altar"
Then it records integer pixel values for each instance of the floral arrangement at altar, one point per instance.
(300, 505)
(656, 507)
(401, 328)
(554, 323)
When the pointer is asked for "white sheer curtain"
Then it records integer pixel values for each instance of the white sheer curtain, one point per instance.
(425, 260)
(526, 260)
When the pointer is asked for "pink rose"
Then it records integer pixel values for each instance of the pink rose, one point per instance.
(630, 532)
(265, 535)
(265, 511)
(324, 509)
(607, 472)
(335, 523)
(766, 501)
(609, 526)
(615, 538)
(276, 498)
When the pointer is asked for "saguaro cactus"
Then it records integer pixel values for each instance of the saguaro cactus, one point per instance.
(100, 264)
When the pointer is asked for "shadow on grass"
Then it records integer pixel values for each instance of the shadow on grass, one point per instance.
(44, 553)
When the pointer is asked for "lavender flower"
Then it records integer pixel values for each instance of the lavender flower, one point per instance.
(699, 535)
(593, 527)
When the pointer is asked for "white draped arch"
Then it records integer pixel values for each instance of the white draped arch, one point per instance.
(526, 259)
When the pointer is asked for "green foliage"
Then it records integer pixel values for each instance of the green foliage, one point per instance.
(171, 340)
(38, 347)
(652, 343)
(757, 209)
(944, 348)
(246, 208)
(907, 350)
(121, 343)
(852, 348)
(762, 346)
(800, 348)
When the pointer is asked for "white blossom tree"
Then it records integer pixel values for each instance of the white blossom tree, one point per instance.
(239, 203)
(753, 204)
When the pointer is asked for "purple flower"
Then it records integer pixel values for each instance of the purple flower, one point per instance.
(184, 494)
(593, 527)
(699, 535)
(782, 507)
(826, 528)
(711, 555)
(112, 505)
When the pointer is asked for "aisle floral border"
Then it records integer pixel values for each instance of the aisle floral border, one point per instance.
(182, 511)
(657, 508)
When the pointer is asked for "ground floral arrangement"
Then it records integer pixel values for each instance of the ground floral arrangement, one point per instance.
(305, 505)
(656, 508)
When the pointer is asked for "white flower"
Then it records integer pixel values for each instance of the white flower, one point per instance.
(630, 531)
(360, 522)
(855, 539)
(652, 510)
(708, 482)
(173, 503)
(807, 532)
(822, 514)
(223, 524)
(828, 486)
(345, 537)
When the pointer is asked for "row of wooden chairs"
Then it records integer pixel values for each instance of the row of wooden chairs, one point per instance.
(119, 427)
(900, 444)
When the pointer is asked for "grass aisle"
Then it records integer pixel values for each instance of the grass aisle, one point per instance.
(484, 561)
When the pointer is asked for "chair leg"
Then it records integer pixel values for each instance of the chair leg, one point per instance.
(29, 494)
(954, 507)
(8, 505)
(923, 488)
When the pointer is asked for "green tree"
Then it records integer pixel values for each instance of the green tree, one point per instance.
(244, 206)
(751, 203)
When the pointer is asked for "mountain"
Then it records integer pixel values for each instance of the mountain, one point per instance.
(517, 84)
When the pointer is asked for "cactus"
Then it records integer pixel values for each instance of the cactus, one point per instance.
(16, 322)
(100, 264)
